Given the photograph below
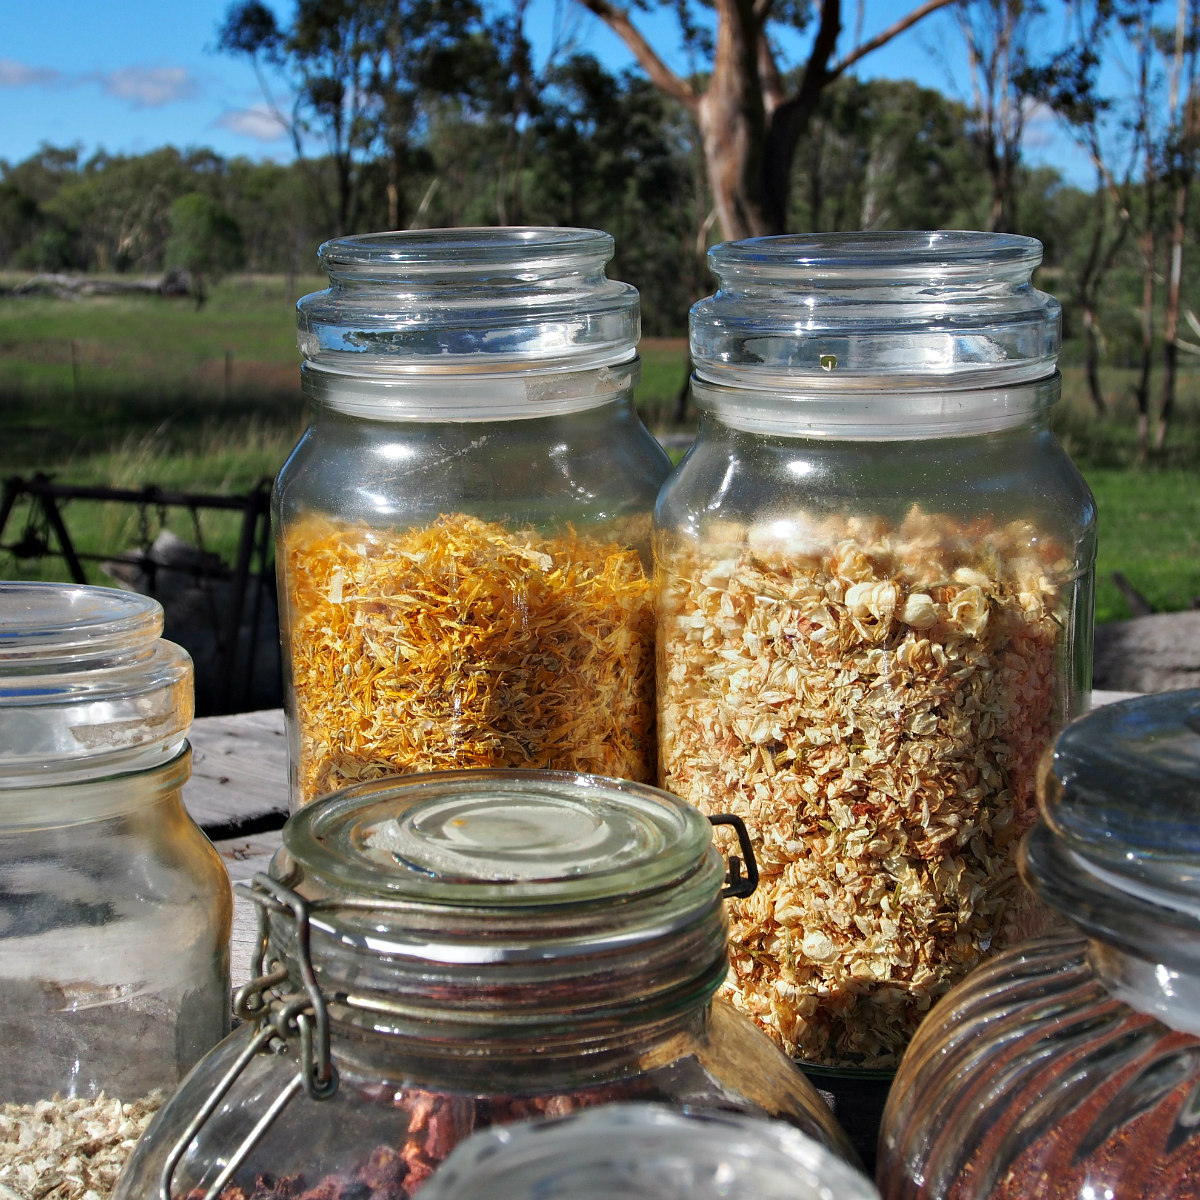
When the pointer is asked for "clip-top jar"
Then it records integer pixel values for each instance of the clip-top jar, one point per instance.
(875, 603)
(463, 531)
(1069, 1068)
(115, 910)
(458, 949)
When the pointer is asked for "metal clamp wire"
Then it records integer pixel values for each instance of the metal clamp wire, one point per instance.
(735, 883)
(309, 1021)
(256, 1045)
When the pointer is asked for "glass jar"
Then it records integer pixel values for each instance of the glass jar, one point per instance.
(646, 1152)
(115, 910)
(875, 574)
(448, 951)
(1070, 1067)
(463, 531)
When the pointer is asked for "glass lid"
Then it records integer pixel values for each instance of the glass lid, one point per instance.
(499, 838)
(1118, 849)
(43, 624)
(87, 685)
(819, 313)
(645, 1152)
(437, 301)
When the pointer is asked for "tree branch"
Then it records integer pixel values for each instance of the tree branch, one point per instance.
(770, 80)
(617, 19)
(894, 30)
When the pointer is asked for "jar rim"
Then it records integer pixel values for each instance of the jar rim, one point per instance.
(866, 254)
(420, 253)
(88, 688)
(635, 1148)
(895, 410)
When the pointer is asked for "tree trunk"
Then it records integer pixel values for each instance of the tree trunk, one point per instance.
(1166, 408)
(1141, 390)
(748, 130)
(732, 121)
(1092, 358)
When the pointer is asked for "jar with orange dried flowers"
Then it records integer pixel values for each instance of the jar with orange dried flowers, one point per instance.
(463, 530)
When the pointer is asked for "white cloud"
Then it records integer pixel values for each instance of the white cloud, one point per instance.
(15, 74)
(149, 87)
(258, 122)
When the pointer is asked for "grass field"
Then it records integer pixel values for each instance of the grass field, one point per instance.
(129, 391)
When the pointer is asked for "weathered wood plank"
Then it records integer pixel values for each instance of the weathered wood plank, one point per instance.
(244, 857)
(239, 772)
(238, 793)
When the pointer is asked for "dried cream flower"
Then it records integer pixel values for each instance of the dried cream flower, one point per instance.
(875, 711)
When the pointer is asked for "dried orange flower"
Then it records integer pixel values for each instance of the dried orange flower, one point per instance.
(466, 644)
(873, 700)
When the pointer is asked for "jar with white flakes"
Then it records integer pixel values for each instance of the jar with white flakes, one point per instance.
(874, 577)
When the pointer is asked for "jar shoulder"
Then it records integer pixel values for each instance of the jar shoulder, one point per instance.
(729, 479)
(393, 1110)
(591, 466)
(1032, 1077)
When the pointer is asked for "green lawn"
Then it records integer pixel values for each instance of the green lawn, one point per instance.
(1149, 526)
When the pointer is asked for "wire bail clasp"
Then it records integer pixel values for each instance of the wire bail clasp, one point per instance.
(736, 884)
(280, 1017)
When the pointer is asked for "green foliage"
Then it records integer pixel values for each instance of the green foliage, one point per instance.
(205, 241)
(364, 75)
(1149, 530)
(886, 154)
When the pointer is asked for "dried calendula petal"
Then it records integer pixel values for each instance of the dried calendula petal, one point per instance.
(466, 644)
(874, 707)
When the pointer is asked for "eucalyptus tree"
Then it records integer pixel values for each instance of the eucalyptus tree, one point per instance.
(359, 76)
(749, 115)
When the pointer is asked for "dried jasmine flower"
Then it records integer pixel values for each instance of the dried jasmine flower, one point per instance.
(873, 700)
(69, 1149)
(467, 644)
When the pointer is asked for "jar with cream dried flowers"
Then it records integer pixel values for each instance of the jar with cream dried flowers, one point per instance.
(463, 531)
(875, 601)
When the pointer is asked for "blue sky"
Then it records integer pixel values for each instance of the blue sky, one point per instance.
(129, 76)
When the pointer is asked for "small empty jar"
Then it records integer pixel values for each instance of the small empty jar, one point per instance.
(115, 909)
(646, 1152)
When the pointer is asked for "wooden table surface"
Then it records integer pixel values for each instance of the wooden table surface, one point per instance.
(238, 794)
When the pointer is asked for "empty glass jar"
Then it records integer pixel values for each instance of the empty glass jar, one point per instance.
(463, 531)
(115, 910)
(1069, 1068)
(449, 951)
(646, 1152)
(875, 601)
